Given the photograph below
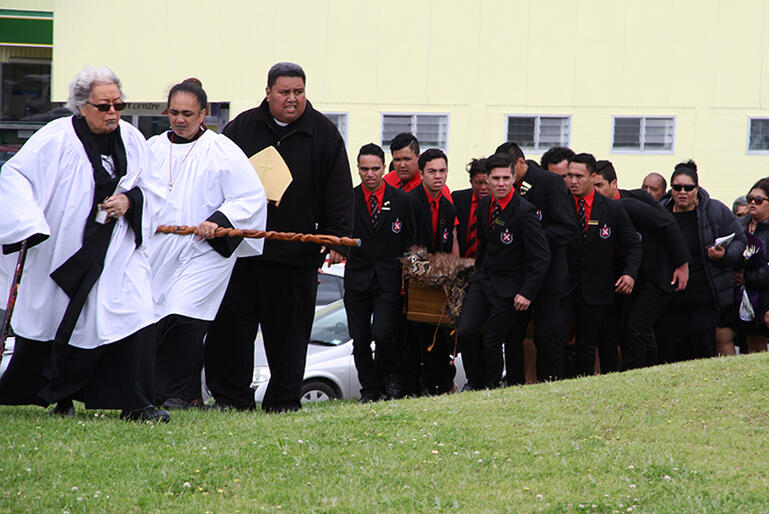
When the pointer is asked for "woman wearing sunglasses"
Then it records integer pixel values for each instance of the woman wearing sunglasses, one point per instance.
(210, 184)
(754, 293)
(687, 330)
(82, 194)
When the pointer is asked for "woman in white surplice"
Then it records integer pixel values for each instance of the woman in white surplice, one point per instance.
(82, 192)
(210, 184)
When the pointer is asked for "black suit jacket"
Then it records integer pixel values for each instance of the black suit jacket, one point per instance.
(443, 240)
(513, 252)
(381, 244)
(555, 209)
(593, 265)
(462, 200)
(663, 245)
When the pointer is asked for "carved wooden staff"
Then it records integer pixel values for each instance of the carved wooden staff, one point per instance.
(321, 239)
(6, 324)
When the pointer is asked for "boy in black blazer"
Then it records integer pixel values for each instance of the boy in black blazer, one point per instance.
(466, 202)
(605, 229)
(513, 257)
(384, 222)
(436, 220)
(664, 268)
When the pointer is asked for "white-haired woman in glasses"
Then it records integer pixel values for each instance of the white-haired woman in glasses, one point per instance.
(688, 328)
(82, 193)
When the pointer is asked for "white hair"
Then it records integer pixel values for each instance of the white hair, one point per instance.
(81, 85)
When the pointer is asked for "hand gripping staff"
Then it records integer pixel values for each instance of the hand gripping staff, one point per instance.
(321, 239)
(5, 327)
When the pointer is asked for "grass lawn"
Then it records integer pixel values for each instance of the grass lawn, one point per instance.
(680, 438)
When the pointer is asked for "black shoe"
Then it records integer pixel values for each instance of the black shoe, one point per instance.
(467, 387)
(146, 414)
(63, 408)
(369, 397)
(394, 387)
(174, 403)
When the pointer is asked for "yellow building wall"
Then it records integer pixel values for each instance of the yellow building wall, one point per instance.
(703, 62)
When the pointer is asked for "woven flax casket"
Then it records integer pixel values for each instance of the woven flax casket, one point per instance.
(436, 285)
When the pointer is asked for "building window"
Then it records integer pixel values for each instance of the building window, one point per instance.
(340, 121)
(758, 135)
(643, 134)
(538, 133)
(432, 130)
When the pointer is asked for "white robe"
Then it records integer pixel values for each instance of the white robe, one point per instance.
(48, 188)
(189, 277)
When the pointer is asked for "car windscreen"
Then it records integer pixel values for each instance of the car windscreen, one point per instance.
(330, 327)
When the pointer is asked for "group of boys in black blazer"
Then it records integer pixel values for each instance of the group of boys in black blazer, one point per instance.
(538, 256)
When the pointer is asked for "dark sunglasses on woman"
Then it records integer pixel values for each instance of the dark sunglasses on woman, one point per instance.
(105, 107)
(758, 200)
(686, 187)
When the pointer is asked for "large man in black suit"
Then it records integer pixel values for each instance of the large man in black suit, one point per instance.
(277, 289)
(466, 202)
(605, 230)
(436, 219)
(372, 280)
(664, 268)
(513, 257)
(554, 208)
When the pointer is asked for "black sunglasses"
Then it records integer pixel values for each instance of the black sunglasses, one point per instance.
(758, 200)
(119, 106)
(686, 187)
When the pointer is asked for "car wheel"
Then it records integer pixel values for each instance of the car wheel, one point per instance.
(318, 391)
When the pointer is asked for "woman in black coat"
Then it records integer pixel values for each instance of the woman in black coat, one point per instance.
(688, 328)
(756, 274)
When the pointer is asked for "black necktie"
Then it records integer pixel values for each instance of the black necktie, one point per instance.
(495, 212)
(582, 218)
(374, 205)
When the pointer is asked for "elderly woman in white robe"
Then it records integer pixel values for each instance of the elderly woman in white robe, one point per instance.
(210, 184)
(82, 193)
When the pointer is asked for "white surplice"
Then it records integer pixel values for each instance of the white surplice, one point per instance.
(48, 188)
(211, 174)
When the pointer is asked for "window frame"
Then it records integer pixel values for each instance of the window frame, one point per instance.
(414, 115)
(641, 149)
(346, 116)
(537, 119)
(748, 150)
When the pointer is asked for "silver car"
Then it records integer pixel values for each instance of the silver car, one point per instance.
(330, 369)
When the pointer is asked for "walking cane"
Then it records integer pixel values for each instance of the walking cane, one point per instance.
(6, 326)
(322, 239)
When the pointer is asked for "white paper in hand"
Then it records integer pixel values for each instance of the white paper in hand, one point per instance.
(725, 240)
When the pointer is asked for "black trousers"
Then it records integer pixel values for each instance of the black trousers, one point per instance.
(119, 375)
(548, 339)
(485, 321)
(280, 298)
(179, 358)
(687, 332)
(589, 320)
(23, 378)
(386, 329)
(645, 306)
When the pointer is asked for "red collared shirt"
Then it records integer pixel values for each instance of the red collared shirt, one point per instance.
(379, 194)
(588, 204)
(394, 180)
(502, 203)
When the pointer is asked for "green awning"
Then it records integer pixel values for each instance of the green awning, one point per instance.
(26, 28)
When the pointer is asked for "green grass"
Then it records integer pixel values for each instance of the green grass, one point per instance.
(691, 437)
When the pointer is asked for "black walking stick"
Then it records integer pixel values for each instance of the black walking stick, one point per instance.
(6, 326)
